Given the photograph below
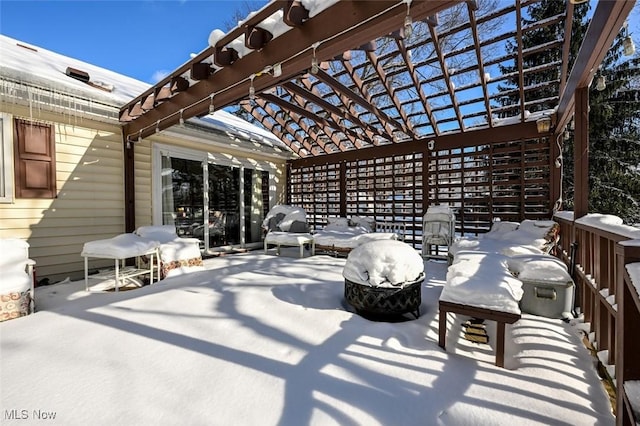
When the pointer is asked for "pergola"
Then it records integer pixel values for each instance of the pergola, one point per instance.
(345, 82)
(392, 106)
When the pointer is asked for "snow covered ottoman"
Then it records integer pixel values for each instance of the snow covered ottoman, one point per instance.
(384, 278)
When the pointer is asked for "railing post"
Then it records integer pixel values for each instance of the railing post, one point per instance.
(627, 343)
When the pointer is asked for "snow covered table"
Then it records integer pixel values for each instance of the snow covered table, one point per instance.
(384, 277)
(293, 239)
(120, 248)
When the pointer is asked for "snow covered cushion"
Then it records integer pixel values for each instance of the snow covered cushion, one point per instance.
(500, 227)
(369, 224)
(530, 237)
(338, 222)
(160, 233)
(281, 217)
(14, 251)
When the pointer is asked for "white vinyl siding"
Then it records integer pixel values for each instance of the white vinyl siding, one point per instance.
(90, 198)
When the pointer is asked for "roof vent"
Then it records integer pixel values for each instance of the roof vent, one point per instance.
(78, 74)
(24, 46)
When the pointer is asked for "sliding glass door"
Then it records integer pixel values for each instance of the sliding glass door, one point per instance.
(235, 199)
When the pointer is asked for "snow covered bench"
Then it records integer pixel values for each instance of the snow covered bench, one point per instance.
(341, 234)
(496, 287)
(481, 285)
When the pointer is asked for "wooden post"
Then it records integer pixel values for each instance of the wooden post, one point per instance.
(581, 154)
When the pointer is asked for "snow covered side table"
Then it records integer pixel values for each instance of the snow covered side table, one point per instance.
(120, 248)
(384, 277)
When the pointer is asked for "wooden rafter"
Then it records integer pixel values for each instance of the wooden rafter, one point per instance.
(386, 82)
(520, 58)
(362, 99)
(253, 110)
(568, 26)
(481, 69)
(604, 27)
(370, 132)
(302, 112)
(330, 108)
(332, 133)
(445, 75)
(317, 148)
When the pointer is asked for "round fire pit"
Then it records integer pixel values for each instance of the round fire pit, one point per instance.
(383, 278)
(386, 301)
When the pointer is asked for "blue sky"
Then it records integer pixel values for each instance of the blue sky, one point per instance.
(141, 38)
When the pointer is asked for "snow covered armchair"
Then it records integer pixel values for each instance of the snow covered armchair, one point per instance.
(17, 284)
(177, 255)
(287, 225)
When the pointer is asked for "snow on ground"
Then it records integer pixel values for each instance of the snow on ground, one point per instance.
(268, 340)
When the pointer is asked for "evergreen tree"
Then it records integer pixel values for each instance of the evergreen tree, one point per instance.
(536, 81)
(614, 140)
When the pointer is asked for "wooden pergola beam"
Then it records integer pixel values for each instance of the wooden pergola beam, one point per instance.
(338, 28)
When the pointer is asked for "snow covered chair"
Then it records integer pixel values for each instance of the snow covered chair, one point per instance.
(177, 255)
(17, 295)
(438, 229)
(287, 225)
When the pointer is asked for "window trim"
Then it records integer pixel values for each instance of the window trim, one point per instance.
(6, 156)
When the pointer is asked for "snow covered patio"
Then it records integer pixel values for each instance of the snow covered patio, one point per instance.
(260, 339)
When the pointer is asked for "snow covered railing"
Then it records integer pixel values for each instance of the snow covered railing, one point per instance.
(628, 377)
(597, 270)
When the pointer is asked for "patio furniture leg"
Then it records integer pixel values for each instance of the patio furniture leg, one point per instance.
(442, 328)
(501, 319)
(500, 344)
(86, 273)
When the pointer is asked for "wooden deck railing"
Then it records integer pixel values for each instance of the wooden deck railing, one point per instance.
(598, 262)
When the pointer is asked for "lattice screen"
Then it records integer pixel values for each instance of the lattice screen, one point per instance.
(510, 181)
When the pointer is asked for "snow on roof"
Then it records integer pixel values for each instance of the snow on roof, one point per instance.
(34, 66)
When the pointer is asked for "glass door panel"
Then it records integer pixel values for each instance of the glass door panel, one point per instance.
(224, 205)
(182, 194)
(255, 184)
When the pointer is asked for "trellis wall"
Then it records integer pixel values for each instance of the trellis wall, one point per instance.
(482, 183)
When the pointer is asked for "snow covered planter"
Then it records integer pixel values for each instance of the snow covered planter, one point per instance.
(384, 277)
